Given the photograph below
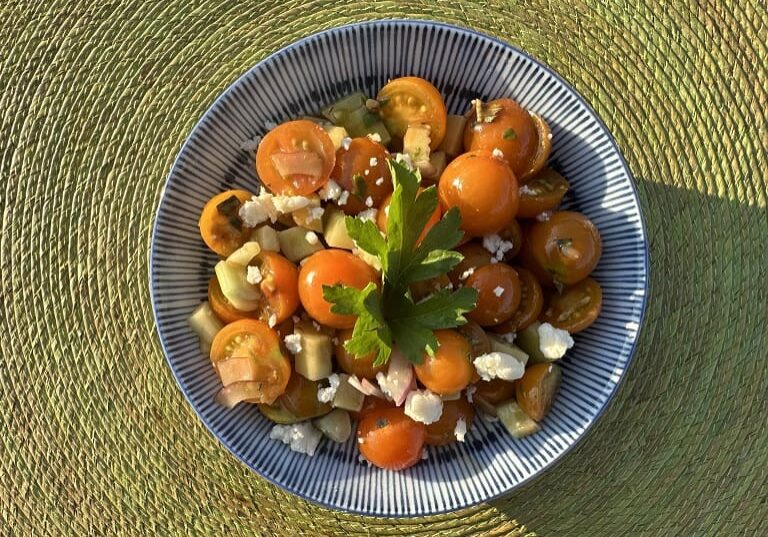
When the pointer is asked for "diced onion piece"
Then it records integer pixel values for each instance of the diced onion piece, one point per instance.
(399, 379)
(365, 387)
(298, 163)
(251, 391)
(244, 254)
(235, 287)
(205, 323)
(241, 369)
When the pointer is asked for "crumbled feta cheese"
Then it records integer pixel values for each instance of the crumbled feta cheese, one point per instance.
(374, 161)
(369, 201)
(251, 144)
(293, 343)
(460, 430)
(367, 172)
(258, 209)
(423, 406)
(509, 337)
(471, 389)
(549, 136)
(272, 321)
(456, 183)
(288, 204)
(375, 137)
(344, 197)
(360, 440)
(467, 273)
(497, 153)
(497, 246)
(368, 214)
(498, 290)
(269, 125)
(311, 237)
(326, 395)
(302, 437)
(544, 217)
(315, 213)
(379, 181)
(499, 365)
(553, 342)
(477, 128)
(330, 191)
(527, 190)
(254, 275)
(345, 142)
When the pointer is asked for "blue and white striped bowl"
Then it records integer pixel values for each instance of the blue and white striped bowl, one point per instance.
(463, 65)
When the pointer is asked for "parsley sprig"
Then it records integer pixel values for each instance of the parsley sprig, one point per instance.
(389, 316)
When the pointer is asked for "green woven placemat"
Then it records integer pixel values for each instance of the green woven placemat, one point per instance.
(96, 99)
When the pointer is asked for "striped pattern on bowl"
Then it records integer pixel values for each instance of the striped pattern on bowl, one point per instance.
(463, 65)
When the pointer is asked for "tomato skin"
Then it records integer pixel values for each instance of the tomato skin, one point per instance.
(450, 370)
(536, 391)
(329, 267)
(371, 403)
(361, 367)
(411, 100)
(542, 193)
(441, 432)
(255, 339)
(478, 339)
(494, 391)
(484, 189)
(475, 255)
(290, 137)
(215, 228)
(223, 309)
(389, 439)
(576, 308)
(300, 398)
(356, 160)
(531, 304)
(493, 308)
(562, 250)
(382, 217)
(520, 143)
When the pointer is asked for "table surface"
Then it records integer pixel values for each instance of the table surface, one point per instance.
(96, 100)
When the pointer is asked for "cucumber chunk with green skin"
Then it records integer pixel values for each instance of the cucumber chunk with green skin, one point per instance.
(347, 396)
(314, 360)
(295, 245)
(528, 340)
(235, 287)
(336, 425)
(499, 345)
(266, 236)
(335, 229)
(517, 423)
(351, 113)
(205, 324)
(338, 111)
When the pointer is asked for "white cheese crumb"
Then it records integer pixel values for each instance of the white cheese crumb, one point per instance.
(254, 275)
(258, 209)
(549, 136)
(553, 342)
(330, 191)
(315, 213)
(498, 365)
(360, 440)
(509, 337)
(368, 214)
(497, 153)
(544, 217)
(302, 437)
(326, 395)
(369, 201)
(311, 237)
(288, 204)
(374, 161)
(498, 291)
(405, 159)
(379, 181)
(344, 197)
(272, 321)
(527, 190)
(456, 183)
(423, 406)
(497, 246)
(293, 343)
(375, 137)
(345, 143)
(460, 430)
(467, 273)
(251, 144)
(367, 172)
(471, 389)
(269, 125)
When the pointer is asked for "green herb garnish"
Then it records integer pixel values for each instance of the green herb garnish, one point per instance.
(509, 134)
(389, 316)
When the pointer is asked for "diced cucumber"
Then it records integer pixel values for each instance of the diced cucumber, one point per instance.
(205, 324)
(528, 340)
(339, 110)
(499, 345)
(335, 229)
(234, 286)
(278, 413)
(336, 425)
(347, 396)
(244, 254)
(336, 134)
(314, 360)
(362, 122)
(294, 244)
(453, 143)
(315, 119)
(266, 236)
(416, 144)
(515, 420)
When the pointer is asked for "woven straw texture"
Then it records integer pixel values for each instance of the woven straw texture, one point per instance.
(96, 99)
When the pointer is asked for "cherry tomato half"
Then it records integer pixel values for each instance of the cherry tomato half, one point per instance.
(389, 439)
(536, 391)
(329, 267)
(493, 392)
(248, 338)
(478, 339)
(279, 286)
(300, 398)
(411, 100)
(542, 193)
(222, 307)
(363, 366)
(221, 228)
(363, 171)
(576, 307)
(450, 370)
(484, 188)
(443, 431)
(295, 158)
(562, 250)
(498, 293)
(531, 304)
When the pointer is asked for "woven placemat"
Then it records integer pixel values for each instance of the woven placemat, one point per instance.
(96, 99)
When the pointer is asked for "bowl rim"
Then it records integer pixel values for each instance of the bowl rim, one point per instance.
(588, 431)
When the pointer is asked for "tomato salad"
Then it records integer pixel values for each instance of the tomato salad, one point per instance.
(401, 272)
